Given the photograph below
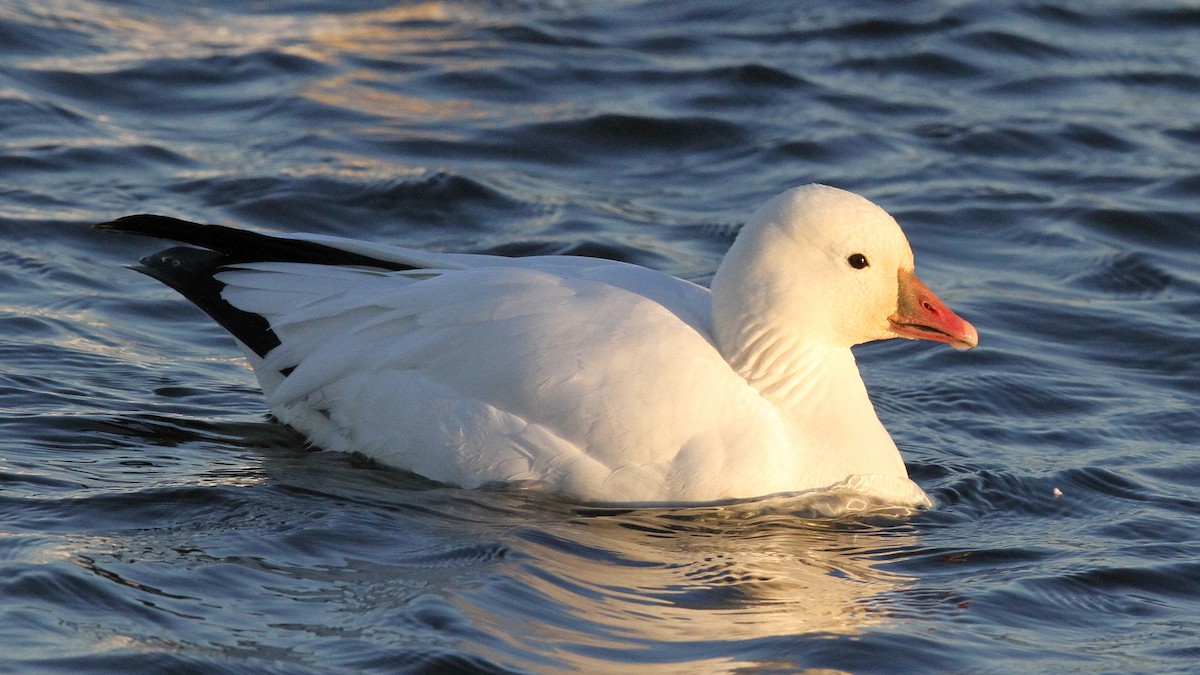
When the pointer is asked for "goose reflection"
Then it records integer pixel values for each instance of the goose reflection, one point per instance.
(408, 567)
(539, 582)
(609, 584)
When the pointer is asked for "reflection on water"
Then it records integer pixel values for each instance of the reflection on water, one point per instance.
(325, 549)
(705, 579)
(132, 34)
(1042, 158)
(528, 579)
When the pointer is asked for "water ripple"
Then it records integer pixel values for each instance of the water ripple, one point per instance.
(1041, 158)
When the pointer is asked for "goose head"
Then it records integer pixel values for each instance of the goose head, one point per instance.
(820, 266)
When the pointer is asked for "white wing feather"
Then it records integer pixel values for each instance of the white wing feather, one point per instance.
(488, 369)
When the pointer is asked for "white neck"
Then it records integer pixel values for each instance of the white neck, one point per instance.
(819, 392)
(785, 315)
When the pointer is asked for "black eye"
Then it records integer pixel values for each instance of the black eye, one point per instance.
(858, 261)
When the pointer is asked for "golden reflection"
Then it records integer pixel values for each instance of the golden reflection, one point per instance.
(418, 40)
(38, 549)
(363, 167)
(343, 91)
(140, 36)
(583, 588)
(657, 579)
(393, 30)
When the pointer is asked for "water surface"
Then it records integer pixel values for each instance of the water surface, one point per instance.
(1041, 157)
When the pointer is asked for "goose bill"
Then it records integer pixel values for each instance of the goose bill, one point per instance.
(921, 315)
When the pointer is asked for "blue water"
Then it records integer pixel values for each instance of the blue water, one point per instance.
(1043, 157)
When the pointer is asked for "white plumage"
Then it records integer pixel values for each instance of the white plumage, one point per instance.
(603, 380)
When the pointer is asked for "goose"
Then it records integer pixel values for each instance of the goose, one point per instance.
(600, 380)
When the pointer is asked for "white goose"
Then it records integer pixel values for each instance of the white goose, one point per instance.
(605, 381)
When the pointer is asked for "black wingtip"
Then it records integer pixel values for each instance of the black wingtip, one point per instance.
(190, 271)
(242, 245)
(151, 225)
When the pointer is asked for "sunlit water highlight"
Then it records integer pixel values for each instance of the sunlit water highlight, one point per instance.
(1041, 157)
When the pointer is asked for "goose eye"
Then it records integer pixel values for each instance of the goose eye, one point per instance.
(858, 261)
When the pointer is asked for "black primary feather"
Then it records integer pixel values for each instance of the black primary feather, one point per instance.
(191, 271)
(243, 245)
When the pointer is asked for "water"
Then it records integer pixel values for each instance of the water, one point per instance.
(1042, 157)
